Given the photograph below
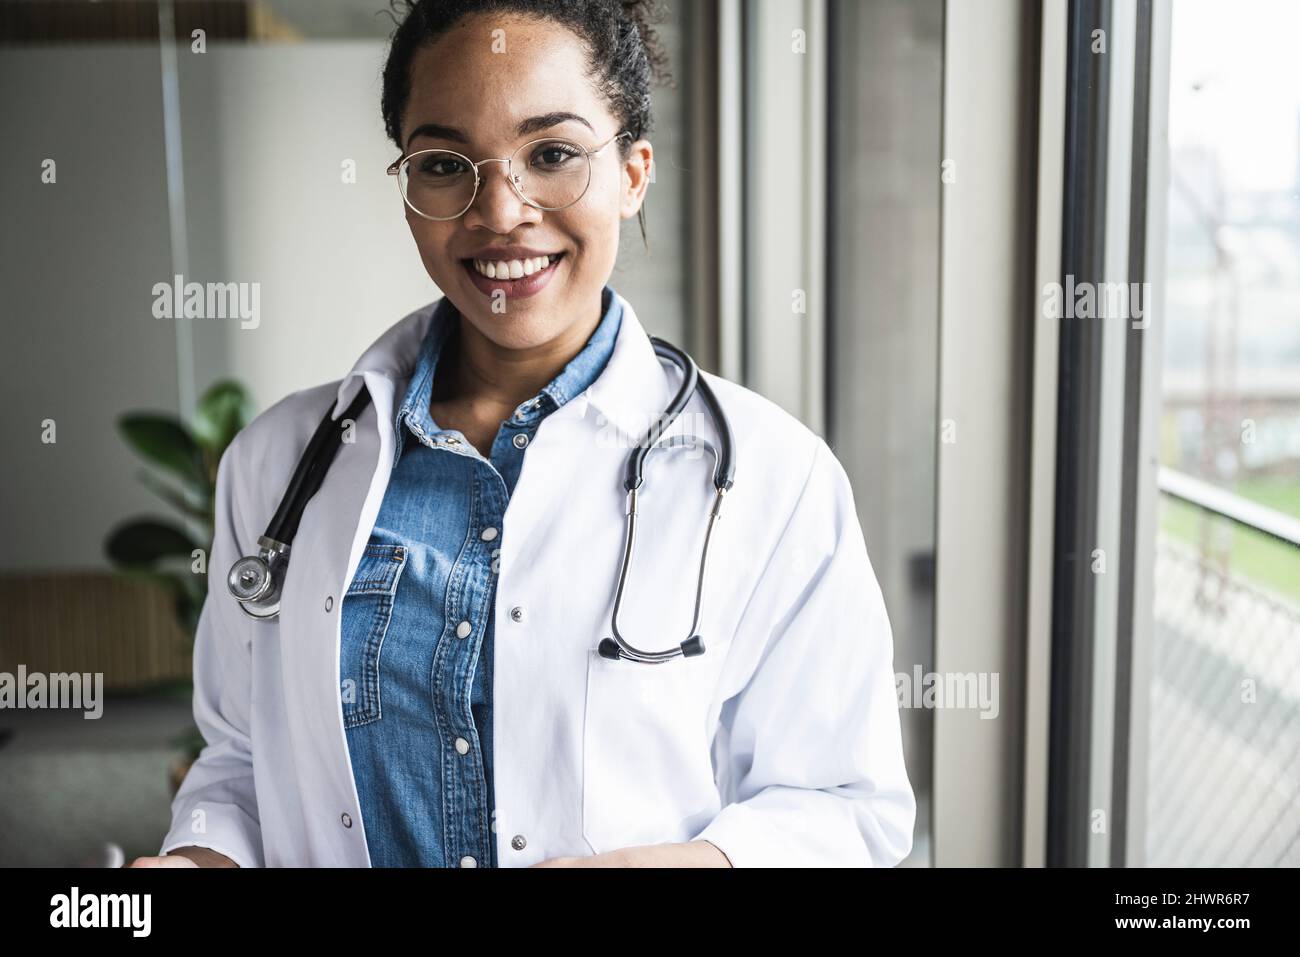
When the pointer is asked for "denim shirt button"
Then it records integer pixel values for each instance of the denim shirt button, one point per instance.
(438, 582)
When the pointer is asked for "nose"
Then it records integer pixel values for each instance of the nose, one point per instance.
(497, 206)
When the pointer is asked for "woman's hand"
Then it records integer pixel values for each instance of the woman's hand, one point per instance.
(186, 857)
(690, 854)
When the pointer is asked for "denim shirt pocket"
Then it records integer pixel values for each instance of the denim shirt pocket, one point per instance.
(367, 610)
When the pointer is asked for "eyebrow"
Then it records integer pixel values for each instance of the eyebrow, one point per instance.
(533, 124)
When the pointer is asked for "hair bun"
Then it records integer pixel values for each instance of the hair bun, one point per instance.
(644, 14)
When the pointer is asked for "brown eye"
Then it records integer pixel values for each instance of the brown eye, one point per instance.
(553, 156)
(441, 166)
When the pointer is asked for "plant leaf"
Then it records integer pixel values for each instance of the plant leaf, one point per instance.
(145, 541)
(176, 498)
(164, 441)
(222, 411)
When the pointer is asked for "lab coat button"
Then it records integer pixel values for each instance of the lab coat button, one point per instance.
(462, 746)
(463, 629)
(329, 602)
(346, 819)
(516, 613)
(518, 842)
(468, 861)
(489, 533)
(521, 440)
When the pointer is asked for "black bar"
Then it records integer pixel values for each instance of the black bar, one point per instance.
(1077, 438)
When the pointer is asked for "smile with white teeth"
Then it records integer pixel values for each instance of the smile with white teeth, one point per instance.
(513, 268)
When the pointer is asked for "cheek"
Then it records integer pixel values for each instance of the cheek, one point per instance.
(595, 227)
(431, 241)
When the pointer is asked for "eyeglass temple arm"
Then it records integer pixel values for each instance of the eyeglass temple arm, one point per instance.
(616, 136)
(396, 165)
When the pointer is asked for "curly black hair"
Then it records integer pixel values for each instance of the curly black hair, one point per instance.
(626, 56)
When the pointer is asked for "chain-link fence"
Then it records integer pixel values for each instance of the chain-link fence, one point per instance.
(1224, 765)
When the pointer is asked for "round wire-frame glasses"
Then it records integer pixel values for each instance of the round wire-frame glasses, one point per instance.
(558, 183)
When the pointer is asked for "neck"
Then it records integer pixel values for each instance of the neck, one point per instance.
(485, 371)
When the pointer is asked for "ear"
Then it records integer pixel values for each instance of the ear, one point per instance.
(637, 171)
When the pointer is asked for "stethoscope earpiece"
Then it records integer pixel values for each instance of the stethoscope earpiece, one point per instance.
(609, 648)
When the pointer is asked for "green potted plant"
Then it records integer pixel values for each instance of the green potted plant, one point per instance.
(174, 554)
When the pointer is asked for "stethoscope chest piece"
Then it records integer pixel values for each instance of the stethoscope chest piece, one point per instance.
(255, 581)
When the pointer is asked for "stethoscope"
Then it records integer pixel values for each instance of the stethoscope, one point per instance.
(256, 581)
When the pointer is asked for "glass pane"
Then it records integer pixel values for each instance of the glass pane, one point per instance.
(1223, 779)
(884, 319)
(259, 160)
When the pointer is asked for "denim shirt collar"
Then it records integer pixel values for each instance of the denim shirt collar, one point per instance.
(580, 372)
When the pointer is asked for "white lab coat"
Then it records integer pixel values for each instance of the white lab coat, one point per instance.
(781, 744)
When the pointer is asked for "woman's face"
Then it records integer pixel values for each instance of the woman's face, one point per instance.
(484, 88)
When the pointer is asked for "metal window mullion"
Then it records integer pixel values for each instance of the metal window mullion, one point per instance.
(733, 189)
(1075, 527)
(1042, 439)
(1142, 403)
(1120, 59)
(816, 198)
(784, 218)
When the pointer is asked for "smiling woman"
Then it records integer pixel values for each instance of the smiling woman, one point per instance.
(462, 704)
(552, 101)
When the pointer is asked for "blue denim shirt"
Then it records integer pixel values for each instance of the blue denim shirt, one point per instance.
(416, 656)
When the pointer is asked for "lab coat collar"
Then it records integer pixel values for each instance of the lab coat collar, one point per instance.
(632, 390)
(392, 356)
(629, 393)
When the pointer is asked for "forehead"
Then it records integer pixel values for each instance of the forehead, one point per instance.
(489, 71)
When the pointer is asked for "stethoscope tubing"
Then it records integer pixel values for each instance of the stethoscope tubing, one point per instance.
(311, 469)
(266, 571)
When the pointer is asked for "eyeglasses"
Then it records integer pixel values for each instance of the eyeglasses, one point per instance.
(441, 184)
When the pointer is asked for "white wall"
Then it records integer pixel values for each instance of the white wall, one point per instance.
(77, 261)
(265, 130)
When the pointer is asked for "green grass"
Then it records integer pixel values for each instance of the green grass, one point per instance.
(1250, 555)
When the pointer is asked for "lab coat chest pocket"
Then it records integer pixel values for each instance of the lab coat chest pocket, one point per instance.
(647, 774)
(367, 611)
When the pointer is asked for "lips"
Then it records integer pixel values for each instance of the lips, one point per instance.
(517, 277)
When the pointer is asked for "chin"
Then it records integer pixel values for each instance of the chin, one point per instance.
(517, 330)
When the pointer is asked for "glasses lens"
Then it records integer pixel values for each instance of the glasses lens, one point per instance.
(438, 183)
(552, 173)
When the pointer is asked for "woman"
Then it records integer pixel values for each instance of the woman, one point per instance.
(452, 709)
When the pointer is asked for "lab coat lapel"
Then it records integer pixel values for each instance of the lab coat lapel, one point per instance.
(632, 390)
(613, 413)
(333, 533)
(331, 539)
